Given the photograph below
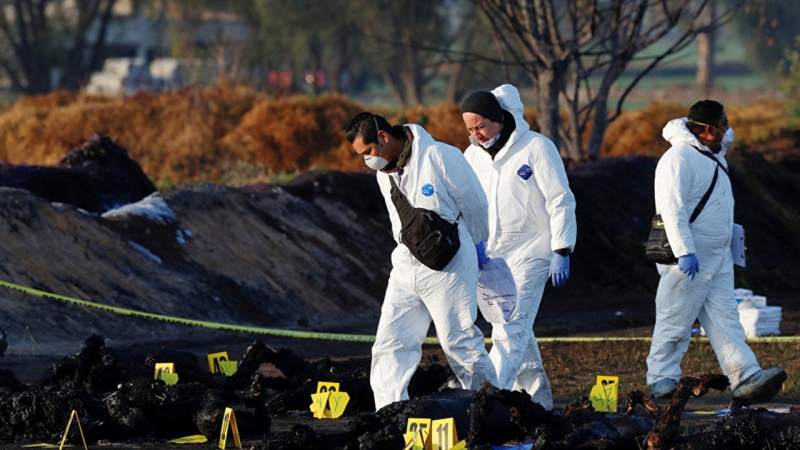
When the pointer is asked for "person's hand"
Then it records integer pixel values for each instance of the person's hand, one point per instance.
(689, 265)
(482, 258)
(559, 269)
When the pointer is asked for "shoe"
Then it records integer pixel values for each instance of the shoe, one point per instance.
(760, 387)
(664, 388)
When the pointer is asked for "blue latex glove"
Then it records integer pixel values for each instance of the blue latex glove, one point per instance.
(482, 258)
(559, 269)
(689, 265)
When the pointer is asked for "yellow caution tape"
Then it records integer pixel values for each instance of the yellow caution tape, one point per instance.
(319, 335)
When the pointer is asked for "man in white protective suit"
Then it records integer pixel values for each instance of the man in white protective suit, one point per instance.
(434, 176)
(531, 224)
(700, 285)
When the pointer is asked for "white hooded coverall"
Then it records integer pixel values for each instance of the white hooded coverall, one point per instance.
(683, 175)
(437, 178)
(531, 214)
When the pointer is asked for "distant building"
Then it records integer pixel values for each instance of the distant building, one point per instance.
(141, 42)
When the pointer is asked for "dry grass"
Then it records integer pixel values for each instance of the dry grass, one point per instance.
(235, 135)
(573, 367)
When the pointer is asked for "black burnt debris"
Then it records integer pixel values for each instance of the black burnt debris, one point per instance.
(96, 176)
(118, 400)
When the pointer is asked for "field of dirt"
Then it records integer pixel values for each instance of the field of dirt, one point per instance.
(312, 256)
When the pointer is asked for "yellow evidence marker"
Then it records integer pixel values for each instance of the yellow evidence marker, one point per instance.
(229, 419)
(418, 433)
(328, 402)
(78, 421)
(166, 372)
(443, 434)
(604, 394)
(219, 363)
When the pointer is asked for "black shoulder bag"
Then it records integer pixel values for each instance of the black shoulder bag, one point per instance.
(657, 248)
(431, 239)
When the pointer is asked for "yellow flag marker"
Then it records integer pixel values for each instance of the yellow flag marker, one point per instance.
(78, 421)
(163, 368)
(414, 440)
(194, 439)
(319, 403)
(229, 419)
(460, 446)
(443, 435)
(328, 402)
(229, 367)
(166, 372)
(337, 401)
(217, 363)
(604, 394)
(418, 433)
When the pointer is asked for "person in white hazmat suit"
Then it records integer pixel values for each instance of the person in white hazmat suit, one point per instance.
(434, 176)
(701, 284)
(531, 224)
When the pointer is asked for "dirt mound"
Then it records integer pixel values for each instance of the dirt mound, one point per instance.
(95, 176)
(313, 254)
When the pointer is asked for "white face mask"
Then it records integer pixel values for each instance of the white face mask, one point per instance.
(375, 162)
(491, 141)
(727, 140)
(488, 144)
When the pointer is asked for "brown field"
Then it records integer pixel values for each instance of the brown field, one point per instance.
(573, 367)
(236, 136)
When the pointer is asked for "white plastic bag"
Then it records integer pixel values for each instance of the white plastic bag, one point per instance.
(497, 292)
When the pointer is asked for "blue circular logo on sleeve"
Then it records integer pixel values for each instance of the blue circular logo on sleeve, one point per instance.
(525, 172)
(427, 190)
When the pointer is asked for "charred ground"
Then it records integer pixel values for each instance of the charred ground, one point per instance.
(312, 254)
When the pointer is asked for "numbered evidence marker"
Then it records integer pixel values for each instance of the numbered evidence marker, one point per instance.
(219, 363)
(443, 434)
(604, 394)
(329, 402)
(74, 415)
(166, 372)
(418, 432)
(229, 419)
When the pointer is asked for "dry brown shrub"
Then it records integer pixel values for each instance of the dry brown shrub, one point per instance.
(334, 113)
(294, 134)
(173, 135)
(52, 100)
(758, 121)
(639, 132)
(236, 135)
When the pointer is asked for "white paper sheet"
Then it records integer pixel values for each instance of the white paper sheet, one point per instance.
(497, 292)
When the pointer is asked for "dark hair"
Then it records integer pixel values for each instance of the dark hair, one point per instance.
(363, 125)
(706, 112)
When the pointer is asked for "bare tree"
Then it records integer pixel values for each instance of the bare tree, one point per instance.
(576, 50)
(404, 35)
(40, 35)
(705, 50)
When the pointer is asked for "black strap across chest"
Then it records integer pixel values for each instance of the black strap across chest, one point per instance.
(707, 195)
